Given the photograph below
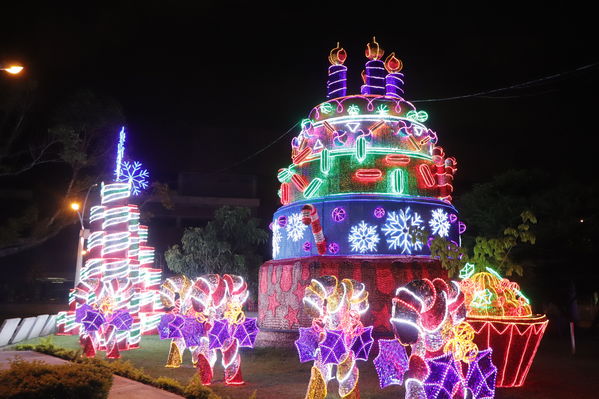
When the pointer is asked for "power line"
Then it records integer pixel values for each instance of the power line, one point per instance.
(520, 95)
(260, 150)
(481, 94)
(516, 86)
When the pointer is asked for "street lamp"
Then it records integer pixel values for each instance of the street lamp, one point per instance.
(83, 233)
(12, 69)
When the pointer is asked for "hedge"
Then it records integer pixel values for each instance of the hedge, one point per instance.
(193, 390)
(34, 380)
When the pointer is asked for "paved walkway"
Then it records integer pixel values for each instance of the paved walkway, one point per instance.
(122, 388)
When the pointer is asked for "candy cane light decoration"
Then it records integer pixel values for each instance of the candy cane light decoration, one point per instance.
(310, 217)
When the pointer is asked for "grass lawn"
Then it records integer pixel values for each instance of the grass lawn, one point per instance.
(277, 373)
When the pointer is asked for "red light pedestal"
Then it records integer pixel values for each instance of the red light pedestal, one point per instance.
(282, 284)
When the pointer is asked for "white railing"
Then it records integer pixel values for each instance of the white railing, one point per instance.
(17, 329)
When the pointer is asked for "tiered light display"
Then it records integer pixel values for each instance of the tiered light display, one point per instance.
(442, 362)
(503, 320)
(357, 154)
(372, 173)
(116, 280)
(337, 337)
(116, 300)
(206, 316)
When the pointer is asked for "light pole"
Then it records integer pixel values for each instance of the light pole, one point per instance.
(83, 233)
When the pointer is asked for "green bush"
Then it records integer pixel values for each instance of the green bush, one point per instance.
(34, 380)
(126, 369)
(195, 390)
(169, 384)
(46, 345)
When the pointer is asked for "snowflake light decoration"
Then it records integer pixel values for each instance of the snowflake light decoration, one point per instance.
(439, 222)
(295, 227)
(363, 238)
(134, 174)
(382, 109)
(398, 228)
(353, 109)
(276, 240)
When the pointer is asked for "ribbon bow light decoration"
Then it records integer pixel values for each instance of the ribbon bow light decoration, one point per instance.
(101, 327)
(208, 318)
(179, 324)
(337, 336)
(428, 320)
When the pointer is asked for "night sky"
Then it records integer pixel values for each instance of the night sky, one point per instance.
(205, 85)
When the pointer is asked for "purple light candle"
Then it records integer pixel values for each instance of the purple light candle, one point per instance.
(337, 81)
(394, 79)
(374, 77)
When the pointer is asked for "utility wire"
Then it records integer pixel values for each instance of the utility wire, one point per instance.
(481, 94)
(260, 150)
(516, 86)
(520, 95)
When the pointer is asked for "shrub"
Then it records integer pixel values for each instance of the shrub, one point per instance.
(33, 380)
(169, 384)
(126, 369)
(195, 390)
(46, 345)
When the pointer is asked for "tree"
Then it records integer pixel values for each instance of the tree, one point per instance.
(559, 201)
(566, 234)
(77, 139)
(227, 244)
(493, 252)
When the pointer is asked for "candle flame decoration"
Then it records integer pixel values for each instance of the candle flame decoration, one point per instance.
(393, 64)
(373, 50)
(337, 56)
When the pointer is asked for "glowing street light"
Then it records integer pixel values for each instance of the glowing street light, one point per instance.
(75, 206)
(13, 69)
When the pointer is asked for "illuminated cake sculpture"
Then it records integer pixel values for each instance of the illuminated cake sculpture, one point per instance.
(365, 175)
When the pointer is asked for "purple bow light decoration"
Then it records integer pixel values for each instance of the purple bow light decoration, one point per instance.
(362, 344)
(218, 334)
(246, 332)
(443, 376)
(333, 347)
(306, 344)
(391, 362)
(480, 378)
(170, 326)
(91, 318)
(121, 320)
(192, 331)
